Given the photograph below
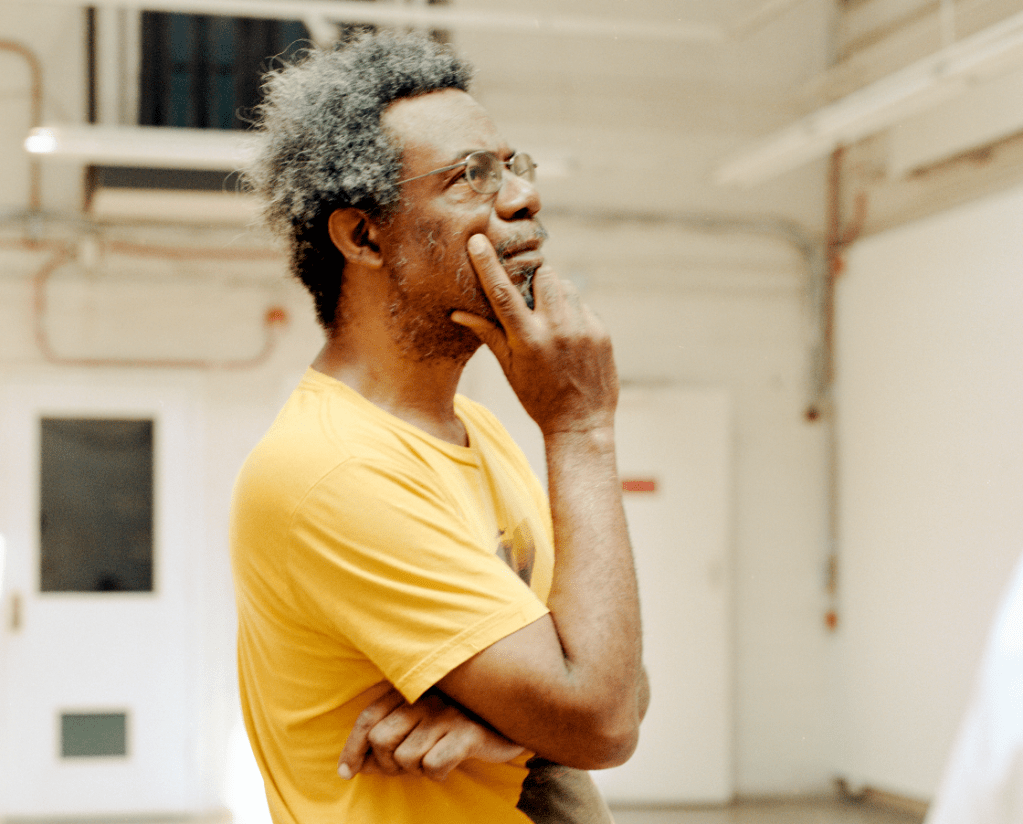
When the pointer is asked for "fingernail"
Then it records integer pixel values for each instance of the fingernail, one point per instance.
(477, 244)
(345, 772)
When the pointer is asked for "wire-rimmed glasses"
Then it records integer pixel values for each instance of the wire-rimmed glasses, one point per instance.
(484, 171)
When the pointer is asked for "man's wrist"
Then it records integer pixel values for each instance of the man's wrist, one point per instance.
(598, 437)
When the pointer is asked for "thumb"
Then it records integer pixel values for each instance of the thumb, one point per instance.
(490, 333)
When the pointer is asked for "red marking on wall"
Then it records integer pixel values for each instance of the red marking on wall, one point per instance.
(639, 485)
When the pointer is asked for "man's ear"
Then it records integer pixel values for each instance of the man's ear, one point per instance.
(355, 236)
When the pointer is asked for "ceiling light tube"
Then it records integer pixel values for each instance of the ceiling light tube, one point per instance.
(165, 147)
(143, 146)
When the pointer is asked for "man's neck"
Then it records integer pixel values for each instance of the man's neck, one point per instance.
(421, 393)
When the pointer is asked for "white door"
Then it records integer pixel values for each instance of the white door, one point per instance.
(676, 443)
(99, 688)
(674, 456)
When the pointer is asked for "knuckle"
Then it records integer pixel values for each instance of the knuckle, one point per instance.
(445, 756)
(408, 761)
(436, 767)
(371, 716)
(383, 738)
(361, 726)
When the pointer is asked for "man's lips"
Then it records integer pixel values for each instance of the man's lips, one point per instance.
(521, 257)
(525, 259)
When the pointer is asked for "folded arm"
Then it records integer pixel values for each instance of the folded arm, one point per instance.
(428, 738)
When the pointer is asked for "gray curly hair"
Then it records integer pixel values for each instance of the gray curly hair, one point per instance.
(323, 147)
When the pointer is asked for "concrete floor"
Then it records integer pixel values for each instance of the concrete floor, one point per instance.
(770, 812)
(818, 811)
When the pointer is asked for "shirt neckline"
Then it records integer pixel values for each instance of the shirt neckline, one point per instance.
(464, 454)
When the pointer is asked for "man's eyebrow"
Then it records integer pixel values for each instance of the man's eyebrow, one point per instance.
(459, 157)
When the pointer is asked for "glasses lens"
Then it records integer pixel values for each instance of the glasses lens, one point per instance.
(483, 171)
(523, 166)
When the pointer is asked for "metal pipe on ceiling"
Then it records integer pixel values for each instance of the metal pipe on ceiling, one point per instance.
(435, 17)
(758, 18)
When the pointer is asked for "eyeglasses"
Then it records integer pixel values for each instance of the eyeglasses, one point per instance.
(484, 171)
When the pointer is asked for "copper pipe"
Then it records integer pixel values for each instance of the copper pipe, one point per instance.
(35, 69)
(185, 253)
(834, 242)
(274, 318)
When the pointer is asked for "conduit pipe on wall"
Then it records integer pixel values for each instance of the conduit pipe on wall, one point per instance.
(35, 69)
(273, 320)
(839, 237)
(822, 262)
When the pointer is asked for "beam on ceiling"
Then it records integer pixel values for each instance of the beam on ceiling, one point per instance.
(438, 17)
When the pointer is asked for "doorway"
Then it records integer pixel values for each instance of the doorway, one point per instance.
(101, 513)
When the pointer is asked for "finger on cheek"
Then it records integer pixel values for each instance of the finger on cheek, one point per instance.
(479, 245)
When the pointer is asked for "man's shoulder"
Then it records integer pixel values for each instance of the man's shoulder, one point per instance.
(326, 434)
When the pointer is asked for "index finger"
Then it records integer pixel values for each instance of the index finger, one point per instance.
(507, 302)
(357, 744)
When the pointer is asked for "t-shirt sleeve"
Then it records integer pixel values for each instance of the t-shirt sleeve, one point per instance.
(384, 560)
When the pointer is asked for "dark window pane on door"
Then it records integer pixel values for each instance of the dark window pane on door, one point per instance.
(96, 505)
(85, 735)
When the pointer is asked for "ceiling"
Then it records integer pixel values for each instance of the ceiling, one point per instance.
(631, 106)
(638, 123)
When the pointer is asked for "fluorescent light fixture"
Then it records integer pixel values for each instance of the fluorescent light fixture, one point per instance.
(158, 147)
(908, 91)
(41, 141)
(144, 146)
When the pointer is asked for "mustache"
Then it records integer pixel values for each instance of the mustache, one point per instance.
(509, 245)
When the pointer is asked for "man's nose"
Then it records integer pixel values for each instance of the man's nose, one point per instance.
(517, 198)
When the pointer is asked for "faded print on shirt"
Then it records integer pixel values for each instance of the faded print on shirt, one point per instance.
(518, 550)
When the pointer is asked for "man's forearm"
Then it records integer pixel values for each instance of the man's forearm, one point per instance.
(594, 599)
(568, 686)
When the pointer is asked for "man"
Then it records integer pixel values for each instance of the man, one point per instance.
(394, 557)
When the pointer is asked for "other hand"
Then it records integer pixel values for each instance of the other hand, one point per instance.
(428, 738)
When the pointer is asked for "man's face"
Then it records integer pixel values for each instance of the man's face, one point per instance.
(425, 245)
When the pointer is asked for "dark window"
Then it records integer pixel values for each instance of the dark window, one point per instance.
(96, 505)
(204, 71)
(84, 735)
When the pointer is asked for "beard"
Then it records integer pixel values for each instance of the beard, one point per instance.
(421, 316)
(421, 322)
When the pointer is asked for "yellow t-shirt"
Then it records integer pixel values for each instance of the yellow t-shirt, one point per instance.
(366, 551)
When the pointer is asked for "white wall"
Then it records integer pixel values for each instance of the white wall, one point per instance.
(685, 309)
(930, 396)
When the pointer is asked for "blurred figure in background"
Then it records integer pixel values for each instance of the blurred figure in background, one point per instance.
(983, 782)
